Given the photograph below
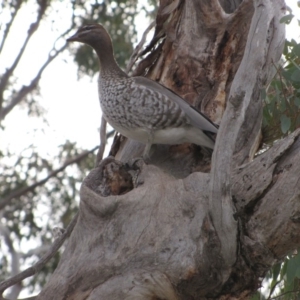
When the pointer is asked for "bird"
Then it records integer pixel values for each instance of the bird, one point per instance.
(140, 108)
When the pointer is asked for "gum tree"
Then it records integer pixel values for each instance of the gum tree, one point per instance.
(187, 226)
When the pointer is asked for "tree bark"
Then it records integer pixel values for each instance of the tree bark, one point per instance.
(164, 231)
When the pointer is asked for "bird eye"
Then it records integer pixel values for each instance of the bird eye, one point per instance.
(88, 27)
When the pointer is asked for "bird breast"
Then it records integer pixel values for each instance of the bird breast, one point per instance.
(127, 105)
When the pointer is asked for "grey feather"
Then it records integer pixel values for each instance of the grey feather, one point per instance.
(195, 117)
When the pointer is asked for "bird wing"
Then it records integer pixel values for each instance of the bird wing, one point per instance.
(195, 117)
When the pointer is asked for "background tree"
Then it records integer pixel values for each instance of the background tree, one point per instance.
(39, 190)
(194, 260)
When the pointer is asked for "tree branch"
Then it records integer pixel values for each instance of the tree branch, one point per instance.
(15, 258)
(69, 162)
(103, 138)
(137, 51)
(32, 29)
(30, 188)
(9, 23)
(275, 225)
(238, 131)
(41, 263)
(25, 90)
(284, 293)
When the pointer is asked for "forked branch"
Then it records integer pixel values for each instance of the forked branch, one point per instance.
(41, 263)
(241, 122)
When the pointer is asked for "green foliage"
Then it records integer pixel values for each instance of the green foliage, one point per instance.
(287, 19)
(283, 280)
(281, 114)
(30, 217)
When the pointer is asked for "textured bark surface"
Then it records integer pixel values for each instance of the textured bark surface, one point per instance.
(201, 51)
(165, 231)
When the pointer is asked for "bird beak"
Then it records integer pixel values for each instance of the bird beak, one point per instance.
(73, 38)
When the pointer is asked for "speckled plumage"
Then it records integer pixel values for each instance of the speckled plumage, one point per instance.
(140, 108)
(129, 105)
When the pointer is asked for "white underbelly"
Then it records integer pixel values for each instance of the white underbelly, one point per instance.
(169, 136)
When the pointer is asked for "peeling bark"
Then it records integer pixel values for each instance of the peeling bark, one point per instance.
(198, 58)
(164, 231)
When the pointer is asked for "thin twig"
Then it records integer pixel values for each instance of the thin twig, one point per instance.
(136, 53)
(273, 288)
(41, 262)
(25, 90)
(69, 162)
(103, 138)
(9, 23)
(285, 293)
(30, 188)
(32, 29)
(15, 260)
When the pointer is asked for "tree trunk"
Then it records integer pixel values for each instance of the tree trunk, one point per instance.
(165, 231)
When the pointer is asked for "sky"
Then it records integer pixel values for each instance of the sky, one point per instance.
(71, 105)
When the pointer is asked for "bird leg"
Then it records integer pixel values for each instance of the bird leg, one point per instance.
(145, 158)
(146, 154)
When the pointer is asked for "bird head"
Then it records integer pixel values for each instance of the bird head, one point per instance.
(92, 35)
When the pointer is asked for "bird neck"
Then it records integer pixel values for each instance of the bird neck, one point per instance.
(108, 64)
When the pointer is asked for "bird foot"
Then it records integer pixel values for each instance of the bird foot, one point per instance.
(135, 167)
(138, 162)
(100, 164)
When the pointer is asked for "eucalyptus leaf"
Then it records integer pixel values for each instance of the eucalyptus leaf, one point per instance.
(297, 101)
(287, 19)
(285, 123)
(291, 271)
(276, 271)
(296, 50)
(296, 75)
